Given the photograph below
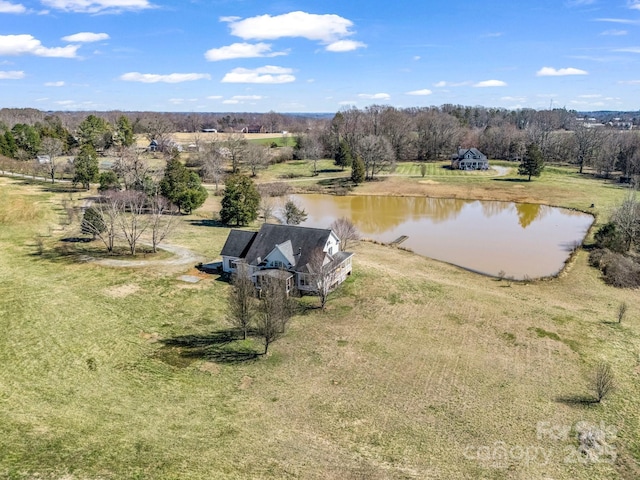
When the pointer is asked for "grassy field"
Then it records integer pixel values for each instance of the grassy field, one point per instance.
(416, 370)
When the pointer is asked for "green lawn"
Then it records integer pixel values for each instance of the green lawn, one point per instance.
(416, 370)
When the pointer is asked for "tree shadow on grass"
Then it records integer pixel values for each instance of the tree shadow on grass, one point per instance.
(577, 400)
(512, 180)
(206, 223)
(222, 346)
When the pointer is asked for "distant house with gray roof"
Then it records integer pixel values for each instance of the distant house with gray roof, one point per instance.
(294, 253)
(469, 159)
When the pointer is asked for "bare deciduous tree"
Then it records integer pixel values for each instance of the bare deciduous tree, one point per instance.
(132, 169)
(622, 311)
(235, 146)
(213, 162)
(241, 303)
(52, 147)
(376, 153)
(603, 381)
(103, 222)
(131, 220)
(256, 158)
(162, 221)
(323, 275)
(276, 309)
(346, 231)
(627, 220)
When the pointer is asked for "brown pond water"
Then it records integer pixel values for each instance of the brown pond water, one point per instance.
(520, 239)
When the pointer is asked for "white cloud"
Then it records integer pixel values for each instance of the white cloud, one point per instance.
(375, 96)
(8, 7)
(266, 74)
(560, 72)
(614, 33)
(241, 50)
(214, 97)
(417, 57)
(628, 50)
(443, 84)
(171, 78)
(629, 82)
(492, 35)
(424, 91)
(54, 84)
(624, 21)
(324, 28)
(490, 83)
(592, 95)
(634, 4)
(345, 46)
(243, 98)
(11, 75)
(230, 102)
(97, 6)
(347, 102)
(28, 45)
(514, 99)
(86, 37)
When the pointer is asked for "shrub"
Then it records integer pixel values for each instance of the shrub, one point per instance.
(620, 271)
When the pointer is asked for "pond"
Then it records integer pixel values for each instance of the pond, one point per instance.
(519, 240)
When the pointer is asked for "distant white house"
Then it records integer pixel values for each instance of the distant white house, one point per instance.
(469, 159)
(43, 159)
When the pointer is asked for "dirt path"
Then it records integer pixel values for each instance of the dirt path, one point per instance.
(183, 256)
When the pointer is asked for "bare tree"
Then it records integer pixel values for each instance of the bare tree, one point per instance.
(132, 221)
(622, 311)
(103, 221)
(256, 158)
(346, 231)
(376, 153)
(588, 142)
(235, 146)
(276, 309)
(162, 221)
(627, 220)
(267, 208)
(241, 302)
(603, 381)
(52, 147)
(323, 275)
(214, 159)
(159, 128)
(132, 169)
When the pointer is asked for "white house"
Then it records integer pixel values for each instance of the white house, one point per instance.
(469, 159)
(298, 253)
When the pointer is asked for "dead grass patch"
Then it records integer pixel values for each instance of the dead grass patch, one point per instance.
(122, 291)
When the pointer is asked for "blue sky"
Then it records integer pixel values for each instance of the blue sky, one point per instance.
(302, 56)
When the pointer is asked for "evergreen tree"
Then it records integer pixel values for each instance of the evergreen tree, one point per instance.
(181, 186)
(357, 170)
(240, 201)
(92, 222)
(293, 214)
(532, 164)
(96, 132)
(86, 166)
(343, 157)
(124, 132)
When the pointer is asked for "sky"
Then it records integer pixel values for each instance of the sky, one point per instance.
(320, 56)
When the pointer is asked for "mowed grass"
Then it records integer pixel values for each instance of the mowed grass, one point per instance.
(416, 370)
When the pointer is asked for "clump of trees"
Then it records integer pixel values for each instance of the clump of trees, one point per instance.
(617, 243)
(264, 313)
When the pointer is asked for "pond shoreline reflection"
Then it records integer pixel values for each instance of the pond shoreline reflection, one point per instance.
(523, 240)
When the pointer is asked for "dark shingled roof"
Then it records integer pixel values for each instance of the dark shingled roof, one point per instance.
(238, 243)
(304, 241)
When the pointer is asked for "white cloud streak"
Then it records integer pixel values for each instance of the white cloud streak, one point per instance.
(375, 96)
(323, 28)
(11, 75)
(8, 7)
(267, 74)
(54, 84)
(490, 83)
(345, 46)
(560, 72)
(170, 78)
(424, 91)
(28, 45)
(241, 50)
(86, 37)
(97, 6)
